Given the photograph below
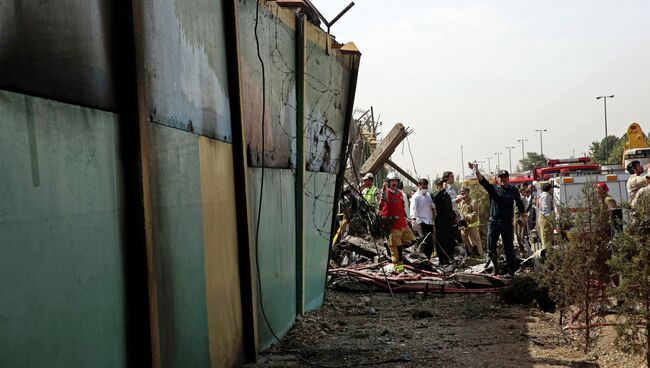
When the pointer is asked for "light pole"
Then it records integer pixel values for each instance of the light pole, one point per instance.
(498, 154)
(541, 146)
(510, 156)
(489, 165)
(462, 161)
(523, 152)
(605, 104)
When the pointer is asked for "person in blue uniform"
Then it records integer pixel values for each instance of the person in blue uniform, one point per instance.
(501, 221)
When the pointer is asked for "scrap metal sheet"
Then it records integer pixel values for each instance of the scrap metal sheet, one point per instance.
(58, 49)
(275, 144)
(327, 82)
(185, 65)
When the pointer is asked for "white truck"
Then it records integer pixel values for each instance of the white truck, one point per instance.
(570, 188)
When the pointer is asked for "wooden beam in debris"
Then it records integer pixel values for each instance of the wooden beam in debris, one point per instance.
(402, 171)
(385, 149)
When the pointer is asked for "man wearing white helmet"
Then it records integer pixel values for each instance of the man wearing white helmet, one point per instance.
(392, 209)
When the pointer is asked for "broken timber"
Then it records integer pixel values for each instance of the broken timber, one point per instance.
(385, 149)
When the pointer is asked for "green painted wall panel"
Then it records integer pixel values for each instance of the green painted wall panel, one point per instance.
(318, 192)
(179, 254)
(277, 249)
(61, 299)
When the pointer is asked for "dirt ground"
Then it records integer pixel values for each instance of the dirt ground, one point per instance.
(410, 330)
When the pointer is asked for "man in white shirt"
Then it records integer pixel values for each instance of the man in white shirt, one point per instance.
(422, 215)
(545, 210)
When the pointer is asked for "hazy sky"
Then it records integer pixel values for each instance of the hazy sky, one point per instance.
(483, 74)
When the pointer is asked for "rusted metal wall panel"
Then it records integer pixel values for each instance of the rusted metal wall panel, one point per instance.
(326, 79)
(224, 305)
(276, 247)
(185, 66)
(61, 213)
(179, 243)
(59, 49)
(276, 31)
(318, 193)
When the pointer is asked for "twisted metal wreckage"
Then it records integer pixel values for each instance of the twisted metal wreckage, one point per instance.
(360, 262)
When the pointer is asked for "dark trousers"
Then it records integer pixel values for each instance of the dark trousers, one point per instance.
(428, 243)
(506, 231)
(446, 240)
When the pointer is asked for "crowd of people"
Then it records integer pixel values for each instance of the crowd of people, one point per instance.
(443, 219)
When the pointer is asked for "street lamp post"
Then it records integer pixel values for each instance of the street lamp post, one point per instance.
(498, 154)
(510, 156)
(523, 152)
(541, 146)
(605, 104)
(489, 165)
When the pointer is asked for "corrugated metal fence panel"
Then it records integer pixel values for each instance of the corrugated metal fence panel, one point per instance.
(185, 66)
(178, 239)
(326, 79)
(60, 211)
(276, 31)
(276, 248)
(59, 49)
(319, 193)
(221, 253)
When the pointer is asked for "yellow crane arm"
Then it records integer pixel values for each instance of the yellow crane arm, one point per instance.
(636, 138)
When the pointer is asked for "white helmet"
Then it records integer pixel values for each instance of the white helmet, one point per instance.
(392, 176)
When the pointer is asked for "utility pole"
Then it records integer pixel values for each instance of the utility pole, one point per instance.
(498, 154)
(462, 162)
(605, 104)
(523, 152)
(541, 146)
(510, 156)
(489, 165)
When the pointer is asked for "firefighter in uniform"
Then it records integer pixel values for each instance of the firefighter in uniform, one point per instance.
(391, 206)
(470, 232)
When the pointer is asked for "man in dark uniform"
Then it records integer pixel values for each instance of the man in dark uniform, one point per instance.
(502, 196)
(444, 223)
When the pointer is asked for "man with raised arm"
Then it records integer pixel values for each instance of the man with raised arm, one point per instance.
(502, 197)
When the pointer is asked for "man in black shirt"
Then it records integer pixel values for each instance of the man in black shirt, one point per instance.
(502, 197)
(444, 223)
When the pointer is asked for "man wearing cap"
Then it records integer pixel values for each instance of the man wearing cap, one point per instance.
(369, 191)
(444, 224)
(422, 215)
(603, 191)
(391, 206)
(636, 181)
(545, 209)
(502, 197)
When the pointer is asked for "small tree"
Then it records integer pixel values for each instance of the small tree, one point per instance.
(615, 147)
(631, 260)
(531, 160)
(576, 271)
